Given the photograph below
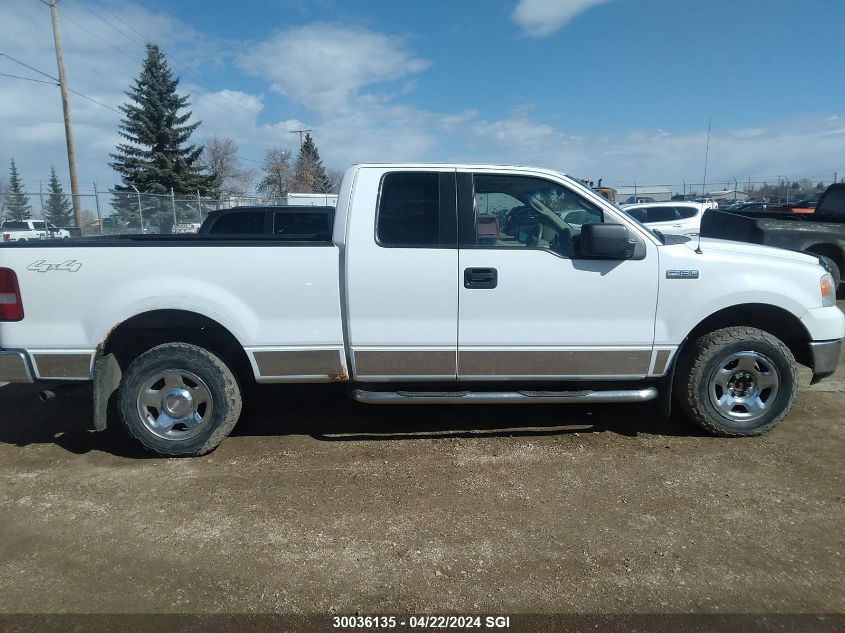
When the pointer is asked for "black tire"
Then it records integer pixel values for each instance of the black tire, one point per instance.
(703, 358)
(835, 272)
(218, 382)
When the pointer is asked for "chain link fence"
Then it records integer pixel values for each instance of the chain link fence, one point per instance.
(114, 213)
(119, 212)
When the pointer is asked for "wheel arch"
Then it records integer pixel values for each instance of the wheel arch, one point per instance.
(775, 320)
(834, 251)
(143, 331)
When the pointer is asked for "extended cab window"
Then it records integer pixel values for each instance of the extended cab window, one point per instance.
(409, 210)
(521, 211)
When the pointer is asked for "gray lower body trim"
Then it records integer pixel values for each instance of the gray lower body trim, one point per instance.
(575, 363)
(63, 366)
(661, 361)
(403, 363)
(503, 397)
(292, 363)
(826, 356)
(14, 367)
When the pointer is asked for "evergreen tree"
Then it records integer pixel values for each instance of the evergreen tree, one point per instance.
(157, 155)
(58, 210)
(17, 202)
(310, 175)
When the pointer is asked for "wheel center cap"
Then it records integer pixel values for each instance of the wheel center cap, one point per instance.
(178, 403)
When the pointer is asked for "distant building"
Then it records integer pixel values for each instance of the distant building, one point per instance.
(313, 199)
(627, 195)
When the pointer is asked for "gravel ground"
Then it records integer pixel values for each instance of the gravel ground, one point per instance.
(318, 504)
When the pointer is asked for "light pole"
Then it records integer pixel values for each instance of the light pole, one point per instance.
(140, 210)
(785, 188)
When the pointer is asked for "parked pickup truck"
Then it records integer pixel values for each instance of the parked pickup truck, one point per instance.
(414, 301)
(23, 230)
(821, 232)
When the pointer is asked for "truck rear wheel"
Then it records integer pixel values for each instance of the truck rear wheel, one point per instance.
(737, 381)
(179, 400)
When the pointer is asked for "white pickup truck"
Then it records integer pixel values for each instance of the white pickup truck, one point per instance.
(441, 284)
(23, 230)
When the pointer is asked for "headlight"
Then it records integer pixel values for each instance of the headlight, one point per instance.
(827, 290)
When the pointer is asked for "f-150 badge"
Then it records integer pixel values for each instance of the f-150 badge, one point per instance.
(41, 266)
(681, 274)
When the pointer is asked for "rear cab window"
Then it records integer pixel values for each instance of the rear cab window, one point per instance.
(417, 209)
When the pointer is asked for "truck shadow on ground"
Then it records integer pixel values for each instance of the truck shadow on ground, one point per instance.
(326, 413)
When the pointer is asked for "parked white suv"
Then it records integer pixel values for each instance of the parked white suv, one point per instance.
(676, 218)
(23, 230)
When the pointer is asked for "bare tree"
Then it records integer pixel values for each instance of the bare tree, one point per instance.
(278, 173)
(220, 160)
(334, 178)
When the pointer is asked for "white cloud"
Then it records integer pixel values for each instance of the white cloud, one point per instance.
(325, 66)
(541, 18)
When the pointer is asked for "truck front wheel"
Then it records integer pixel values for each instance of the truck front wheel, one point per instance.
(179, 400)
(736, 381)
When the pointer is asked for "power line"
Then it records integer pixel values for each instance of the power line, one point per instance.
(97, 15)
(95, 36)
(55, 81)
(32, 68)
(122, 21)
(41, 81)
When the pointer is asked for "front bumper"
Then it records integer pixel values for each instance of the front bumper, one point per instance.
(15, 367)
(825, 357)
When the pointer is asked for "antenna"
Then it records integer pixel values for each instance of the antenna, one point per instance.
(704, 180)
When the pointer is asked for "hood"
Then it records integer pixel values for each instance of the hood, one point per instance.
(728, 246)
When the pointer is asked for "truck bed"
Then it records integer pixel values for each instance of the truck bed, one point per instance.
(271, 296)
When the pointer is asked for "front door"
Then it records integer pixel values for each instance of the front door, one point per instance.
(529, 308)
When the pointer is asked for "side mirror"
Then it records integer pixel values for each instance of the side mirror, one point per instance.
(605, 241)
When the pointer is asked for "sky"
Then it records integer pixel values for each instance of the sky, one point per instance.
(614, 89)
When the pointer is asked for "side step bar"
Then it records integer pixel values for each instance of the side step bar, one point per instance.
(503, 397)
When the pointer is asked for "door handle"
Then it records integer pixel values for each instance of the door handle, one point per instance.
(476, 278)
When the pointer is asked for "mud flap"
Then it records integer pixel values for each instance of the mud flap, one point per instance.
(664, 391)
(107, 376)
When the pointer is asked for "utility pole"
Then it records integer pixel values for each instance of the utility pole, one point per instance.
(71, 151)
(300, 132)
(706, 156)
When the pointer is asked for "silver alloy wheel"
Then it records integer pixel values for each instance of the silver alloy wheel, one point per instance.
(744, 386)
(174, 404)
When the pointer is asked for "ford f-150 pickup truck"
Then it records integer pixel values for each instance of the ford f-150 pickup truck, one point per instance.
(416, 301)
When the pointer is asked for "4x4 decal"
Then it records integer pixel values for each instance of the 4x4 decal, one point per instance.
(41, 266)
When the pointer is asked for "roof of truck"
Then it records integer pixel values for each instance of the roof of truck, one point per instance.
(468, 166)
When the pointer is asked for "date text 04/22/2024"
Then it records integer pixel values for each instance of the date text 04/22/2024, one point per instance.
(421, 621)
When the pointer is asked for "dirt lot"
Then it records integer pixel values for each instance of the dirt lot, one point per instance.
(318, 504)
